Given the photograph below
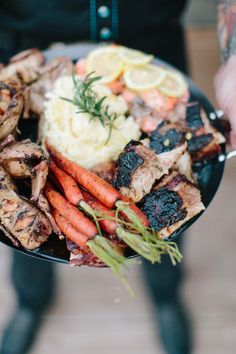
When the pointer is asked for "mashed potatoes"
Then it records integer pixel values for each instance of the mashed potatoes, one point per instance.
(77, 136)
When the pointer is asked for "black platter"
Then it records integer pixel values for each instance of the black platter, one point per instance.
(209, 173)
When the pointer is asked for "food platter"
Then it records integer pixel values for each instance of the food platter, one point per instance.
(209, 173)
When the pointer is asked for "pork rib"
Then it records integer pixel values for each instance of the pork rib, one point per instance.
(173, 202)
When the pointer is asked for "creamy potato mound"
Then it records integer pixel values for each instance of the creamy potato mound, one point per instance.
(77, 136)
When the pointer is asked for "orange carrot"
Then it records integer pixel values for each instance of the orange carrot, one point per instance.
(108, 226)
(102, 190)
(142, 217)
(99, 188)
(69, 231)
(75, 217)
(67, 183)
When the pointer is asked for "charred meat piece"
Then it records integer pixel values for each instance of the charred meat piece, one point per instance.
(168, 141)
(138, 168)
(23, 66)
(184, 166)
(11, 107)
(203, 139)
(165, 138)
(47, 76)
(20, 220)
(25, 159)
(173, 201)
(193, 117)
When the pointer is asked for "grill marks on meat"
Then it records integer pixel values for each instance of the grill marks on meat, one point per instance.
(11, 107)
(204, 141)
(23, 67)
(25, 159)
(193, 117)
(138, 168)
(47, 76)
(198, 142)
(163, 207)
(127, 162)
(20, 220)
(168, 141)
(165, 138)
(173, 201)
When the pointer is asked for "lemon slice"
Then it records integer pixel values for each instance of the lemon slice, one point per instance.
(145, 77)
(105, 62)
(174, 84)
(133, 57)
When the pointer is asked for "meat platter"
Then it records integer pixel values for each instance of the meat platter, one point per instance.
(165, 168)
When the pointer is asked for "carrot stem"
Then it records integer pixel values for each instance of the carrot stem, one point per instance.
(105, 251)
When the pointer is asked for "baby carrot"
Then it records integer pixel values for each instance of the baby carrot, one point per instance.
(103, 191)
(69, 231)
(99, 188)
(75, 217)
(67, 183)
(109, 226)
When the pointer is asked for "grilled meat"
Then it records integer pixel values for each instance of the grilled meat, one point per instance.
(43, 205)
(20, 220)
(184, 166)
(25, 159)
(138, 168)
(173, 201)
(47, 76)
(203, 139)
(168, 142)
(11, 107)
(23, 66)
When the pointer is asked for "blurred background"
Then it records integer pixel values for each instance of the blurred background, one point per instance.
(93, 314)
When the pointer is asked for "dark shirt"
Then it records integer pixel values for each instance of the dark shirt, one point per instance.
(149, 25)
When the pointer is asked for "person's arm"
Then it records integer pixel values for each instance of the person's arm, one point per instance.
(225, 79)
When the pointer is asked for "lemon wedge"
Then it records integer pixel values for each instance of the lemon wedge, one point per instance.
(174, 84)
(144, 77)
(133, 57)
(105, 62)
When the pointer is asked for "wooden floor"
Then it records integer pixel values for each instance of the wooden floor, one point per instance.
(93, 314)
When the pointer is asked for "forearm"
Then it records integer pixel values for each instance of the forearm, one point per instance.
(226, 10)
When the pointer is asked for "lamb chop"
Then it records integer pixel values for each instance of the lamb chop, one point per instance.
(138, 168)
(11, 107)
(20, 220)
(172, 202)
(23, 66)
(26, 159)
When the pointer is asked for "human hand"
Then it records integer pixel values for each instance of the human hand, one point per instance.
(225, 91)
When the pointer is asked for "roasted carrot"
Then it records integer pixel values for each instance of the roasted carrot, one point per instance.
(69, 231)
(109, 226)
(142, 217)
(67, 183)
(99, 188)
(75, 217)
(102, 190)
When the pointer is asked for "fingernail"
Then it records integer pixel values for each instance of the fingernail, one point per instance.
(233, 139)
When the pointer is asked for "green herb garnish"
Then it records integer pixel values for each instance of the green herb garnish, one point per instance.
(89, 102)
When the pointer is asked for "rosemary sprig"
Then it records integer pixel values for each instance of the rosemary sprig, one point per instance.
(88, 101)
